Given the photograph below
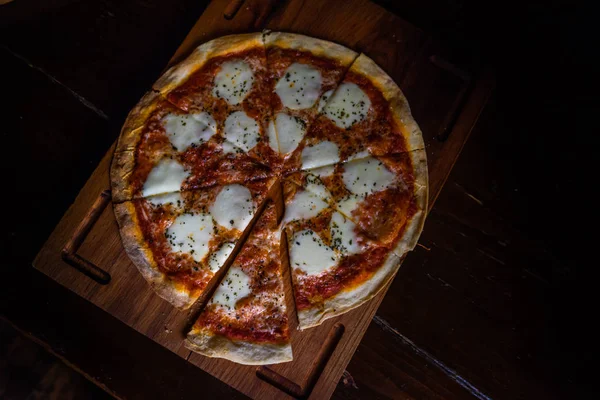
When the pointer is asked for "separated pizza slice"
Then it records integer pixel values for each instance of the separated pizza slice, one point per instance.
(303, 71)
(334, 266)
(246, 319)
(385, 196)
(179, 240)
(227, 78)
(367, 114)
(163, 149)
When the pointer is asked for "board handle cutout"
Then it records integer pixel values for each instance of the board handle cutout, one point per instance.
(460, 99)
(69, 252)
(303, 391)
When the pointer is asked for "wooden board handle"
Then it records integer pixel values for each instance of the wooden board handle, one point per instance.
(302, 392)
(69, 252)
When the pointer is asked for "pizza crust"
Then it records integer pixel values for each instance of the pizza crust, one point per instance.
(363, 65)
(124, 158)
(239, 351)
(348, 300)
(178, 73)
(318, 47)
(141, 256)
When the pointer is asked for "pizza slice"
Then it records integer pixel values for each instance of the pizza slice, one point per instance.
(179, 240)
(227, 78)
(367, 114)
(303, 71)
(246, 319)
(334, 266)
(163, 149)
(385, 196)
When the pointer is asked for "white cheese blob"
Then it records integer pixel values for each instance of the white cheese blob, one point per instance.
(166, 176)
(320, 154)
(218, 258)
(233, 82)
(241, 130)
(191, 234)
(290, 131)
(234, 287)
(233, 207)
(367, 175)
(310, 254)
(230, 148)
(348, 204)
(272, 133)
(299, 87)
(173, 199)
(348, 105)
(359, 155)
(304, 205)
(316, 186)
(187, 130)
(323, 172)
(343, 235)
(324, 99)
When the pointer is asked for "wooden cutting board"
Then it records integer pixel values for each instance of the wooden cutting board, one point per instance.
(85, 254)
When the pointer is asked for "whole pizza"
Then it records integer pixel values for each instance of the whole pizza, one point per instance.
(245, 121)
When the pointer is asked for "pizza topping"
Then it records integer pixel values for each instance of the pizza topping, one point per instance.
(189, 130)
(241, 130)
(367, 175)
(304, 205)
(348, 204)
(166, 176)
(234, 287)
(323, 100)
(320, 154)
(218, 258)
(309, 254)
(233, 207)
(348, 105)
(233, 81)
(273, 140)
(316, 186)
(290, 131)
(343, 235)
(323, 172)
(191, 234)
(174, 199)
(299, 87)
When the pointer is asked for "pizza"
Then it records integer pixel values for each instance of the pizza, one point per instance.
(246, 318)
(243, 122)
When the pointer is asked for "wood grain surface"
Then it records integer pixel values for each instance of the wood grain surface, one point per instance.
(409, 56)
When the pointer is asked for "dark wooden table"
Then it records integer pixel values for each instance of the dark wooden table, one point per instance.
(474, 312)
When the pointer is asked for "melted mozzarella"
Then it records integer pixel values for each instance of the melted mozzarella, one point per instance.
(310, 254)
(304, 205)
(233, 207)
(174, 199)
(320, 154)
(218, 258)
(348, 204)
(316, 186)
(323, 172)
(273, 140)
(241, 130)
(343, 235)
(166, 176)
(323, 100)
(367, 175)
(348, 105)
(359, 155)
(290, 131)
(187, 130)
(234, 287)
(233, 81)
(191, 234)
(299, 87)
